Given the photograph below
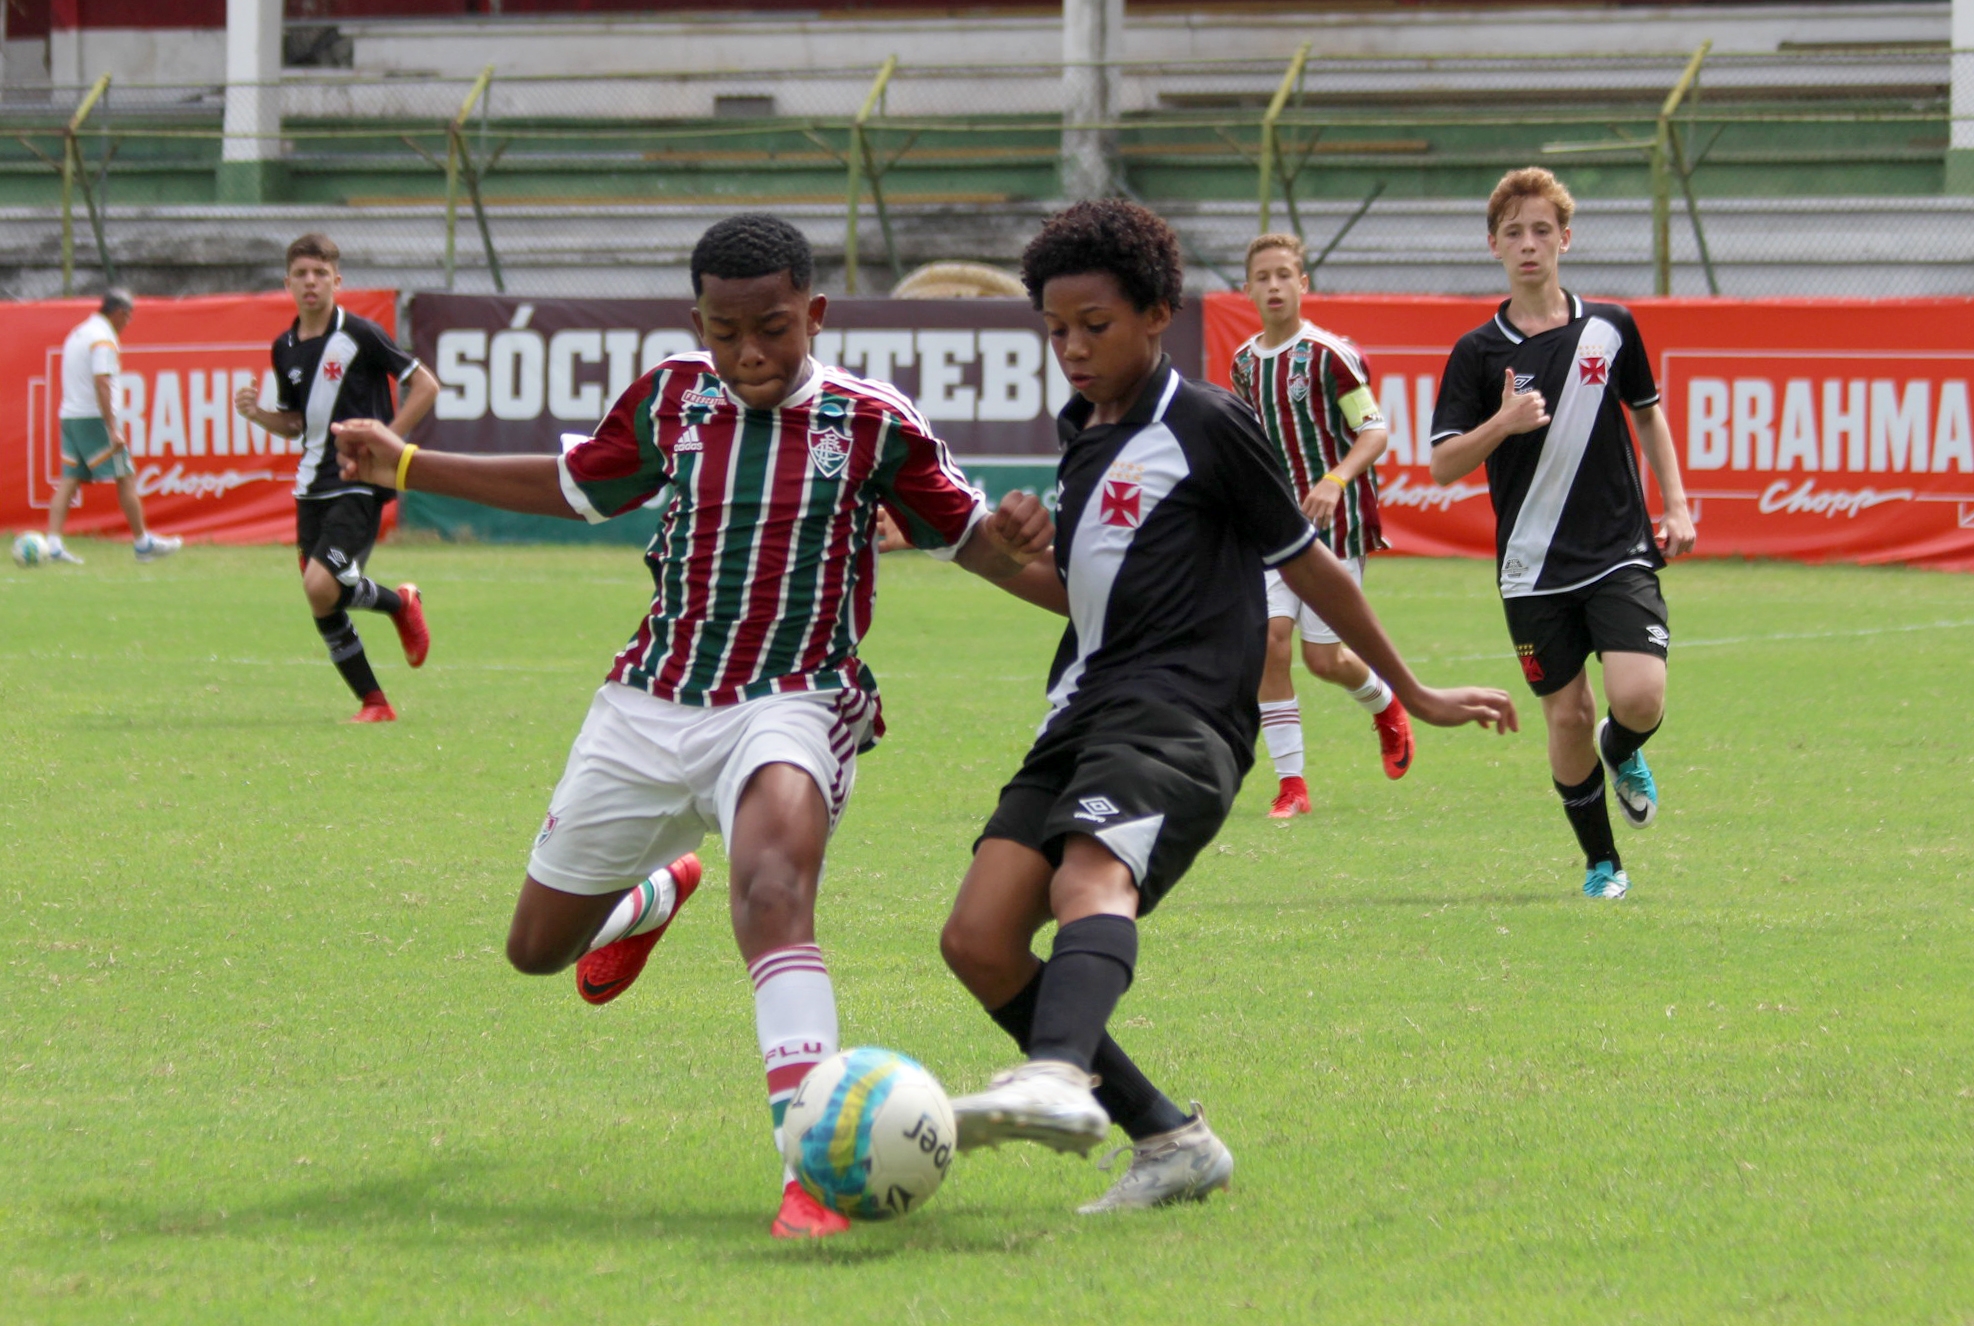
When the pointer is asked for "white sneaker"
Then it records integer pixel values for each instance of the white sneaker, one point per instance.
(1044, 1100)
(1184, 1165)
(158, 545)
(60, 553)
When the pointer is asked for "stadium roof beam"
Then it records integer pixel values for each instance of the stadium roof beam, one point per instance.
(250, 153)
(1092, 95)
(1960, 142)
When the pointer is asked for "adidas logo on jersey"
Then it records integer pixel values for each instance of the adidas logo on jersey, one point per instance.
(688, 441)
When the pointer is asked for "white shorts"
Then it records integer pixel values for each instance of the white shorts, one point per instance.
(647, 778)
(1282, 602)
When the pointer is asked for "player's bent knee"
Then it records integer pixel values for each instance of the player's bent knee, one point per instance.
(978, 959)
(527, 954)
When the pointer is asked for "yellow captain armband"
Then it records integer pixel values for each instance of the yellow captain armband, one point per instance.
(1360, 409)
(404, 462)
(1341, 483)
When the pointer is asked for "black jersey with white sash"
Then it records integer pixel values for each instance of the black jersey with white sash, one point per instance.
(1568, 504)
(345, 373)
(1164, 521)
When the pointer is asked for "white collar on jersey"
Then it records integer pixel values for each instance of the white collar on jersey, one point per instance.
(1270, 351)
(802, 395)
(1508, 328)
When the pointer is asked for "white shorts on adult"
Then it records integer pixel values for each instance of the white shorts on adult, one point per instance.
(647, 778)
(1282, 602)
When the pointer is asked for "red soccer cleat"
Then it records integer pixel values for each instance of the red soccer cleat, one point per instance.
(1291, 800)
(410, 621)
(376, 709)
(1394, 738)
(803, 1217)
(603, 975)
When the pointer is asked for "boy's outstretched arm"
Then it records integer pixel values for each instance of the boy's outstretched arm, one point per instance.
(368, 452)
(1320, 580)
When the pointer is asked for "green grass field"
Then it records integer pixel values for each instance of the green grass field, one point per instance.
(261, 1059)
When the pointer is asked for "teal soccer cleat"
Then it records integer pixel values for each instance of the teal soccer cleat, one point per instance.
(1605, 880)
(1637, 793)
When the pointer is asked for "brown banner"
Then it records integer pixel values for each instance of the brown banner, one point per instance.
(517, 374)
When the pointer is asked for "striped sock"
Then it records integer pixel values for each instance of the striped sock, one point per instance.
(1281, 728)
(644, 908)
(1374, 695)
(795, 1018)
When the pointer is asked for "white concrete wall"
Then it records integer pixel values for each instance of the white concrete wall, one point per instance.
(137, 55)
(777, 43)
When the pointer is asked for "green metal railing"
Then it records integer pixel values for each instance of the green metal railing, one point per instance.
(1283, 133)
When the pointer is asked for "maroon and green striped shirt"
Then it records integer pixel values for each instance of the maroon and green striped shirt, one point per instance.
(766, 559)
(1313, 393)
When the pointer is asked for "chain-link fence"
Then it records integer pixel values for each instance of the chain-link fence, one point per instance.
(1811, 172)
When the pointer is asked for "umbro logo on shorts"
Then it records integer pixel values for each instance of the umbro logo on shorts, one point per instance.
(1659, 636)
(1095, 808)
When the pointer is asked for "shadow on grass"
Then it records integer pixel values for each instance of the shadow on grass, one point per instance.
(434, 1204)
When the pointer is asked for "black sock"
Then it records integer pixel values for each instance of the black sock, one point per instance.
(1620, 743)
(1126, 1094)
(346, 652)
(370, 596)
(1088, 971)
(1591, 818)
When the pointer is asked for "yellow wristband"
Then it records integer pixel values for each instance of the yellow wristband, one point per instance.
(404, 462)
(1341, 483)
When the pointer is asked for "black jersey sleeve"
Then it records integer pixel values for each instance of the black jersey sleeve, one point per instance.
(1249, 483)
(377, 346)
(1463, 403)
(1634, 367)
(287, 394)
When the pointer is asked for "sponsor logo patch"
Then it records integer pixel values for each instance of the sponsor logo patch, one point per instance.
(688, 441)
(1523, 381)
(1659, 636)
(703, 399)
(1095, 808)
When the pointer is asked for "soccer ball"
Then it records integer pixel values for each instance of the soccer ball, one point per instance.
(31, 549)
(869, 1134)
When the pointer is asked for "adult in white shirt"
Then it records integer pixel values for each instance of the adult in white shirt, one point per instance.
(95, 447)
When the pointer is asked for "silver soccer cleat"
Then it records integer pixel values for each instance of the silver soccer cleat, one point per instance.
(1184, 1165)
(1044, 1101)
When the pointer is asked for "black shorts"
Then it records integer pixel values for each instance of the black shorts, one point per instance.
(1554, 633)
(338, 532)
(1148, 780)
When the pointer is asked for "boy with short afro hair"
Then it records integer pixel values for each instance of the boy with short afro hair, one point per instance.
(740, 704)
(1169, 507)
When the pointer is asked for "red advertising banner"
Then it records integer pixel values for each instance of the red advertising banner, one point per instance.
(202, 470)
(1817, 430)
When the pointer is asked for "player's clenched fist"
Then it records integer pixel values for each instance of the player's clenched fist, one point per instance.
(1461, 705)
(246, 401)
(1020, 527)
(367, 452)
(1521, 411)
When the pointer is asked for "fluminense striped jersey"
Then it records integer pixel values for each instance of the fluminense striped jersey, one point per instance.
(765, 562)
(1313, 393)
